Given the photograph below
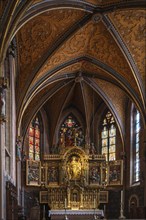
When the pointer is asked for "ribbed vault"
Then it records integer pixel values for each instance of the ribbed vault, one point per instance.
(71, 51)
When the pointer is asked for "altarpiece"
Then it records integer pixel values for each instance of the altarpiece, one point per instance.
(73, 175)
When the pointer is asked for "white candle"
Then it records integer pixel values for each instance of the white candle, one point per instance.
(65, 203)
(94, 203)
(104, 209)
(43, 211)
(121, 196)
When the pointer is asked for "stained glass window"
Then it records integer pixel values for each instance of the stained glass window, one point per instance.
(71, 132)
(34, 139)
(108, 137)
(136, 145)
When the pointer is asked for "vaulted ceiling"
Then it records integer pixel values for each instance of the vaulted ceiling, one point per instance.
(70, 51)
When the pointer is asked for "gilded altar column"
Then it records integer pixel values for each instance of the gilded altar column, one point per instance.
(81, 200)
(68, 197)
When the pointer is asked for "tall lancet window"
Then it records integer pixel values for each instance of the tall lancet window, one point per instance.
(34, 139)
(108, 137)
(71, 133)
(136, 145)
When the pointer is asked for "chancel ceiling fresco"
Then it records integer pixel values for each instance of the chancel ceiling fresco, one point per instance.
(69, 50)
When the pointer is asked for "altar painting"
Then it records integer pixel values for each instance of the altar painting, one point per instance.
(43, 196)
(33, 173)
(115, 172)
(95, 174)
(103, 196)
(53, 175)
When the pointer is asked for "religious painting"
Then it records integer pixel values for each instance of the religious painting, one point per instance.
(95, 174)
(33, 173)
(53, 175)
(115, 172)
(103, 196)
(43, 196)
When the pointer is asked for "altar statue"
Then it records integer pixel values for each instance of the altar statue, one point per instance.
(74, 168)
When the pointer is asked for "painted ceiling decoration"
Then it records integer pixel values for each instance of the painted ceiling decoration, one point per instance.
(69, 50)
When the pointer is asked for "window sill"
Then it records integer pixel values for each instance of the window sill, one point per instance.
(135, 184)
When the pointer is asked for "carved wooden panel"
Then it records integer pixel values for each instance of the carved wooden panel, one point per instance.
(11, 202)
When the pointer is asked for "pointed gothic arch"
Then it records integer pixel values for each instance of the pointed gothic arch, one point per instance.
(108, 136)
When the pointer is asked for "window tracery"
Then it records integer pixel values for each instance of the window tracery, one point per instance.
(71, 133)
(108, 137)
(136, 145)
(34, 139)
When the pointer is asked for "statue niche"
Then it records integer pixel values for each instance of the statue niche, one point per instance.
(74, 168)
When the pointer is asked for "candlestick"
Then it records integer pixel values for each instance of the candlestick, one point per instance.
(121, 208)
(65, 205)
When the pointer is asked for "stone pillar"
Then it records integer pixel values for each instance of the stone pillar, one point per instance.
(2, 150)
(2, 168)
(144, 146)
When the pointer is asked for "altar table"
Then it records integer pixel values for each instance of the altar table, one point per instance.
(76, 214)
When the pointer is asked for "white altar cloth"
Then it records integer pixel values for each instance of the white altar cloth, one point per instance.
(78, 212)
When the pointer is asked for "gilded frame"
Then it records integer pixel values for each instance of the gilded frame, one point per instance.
(52, 175)
(33, 173)
(95, 173)
(43, 196)
(115, 173)
(103, 196)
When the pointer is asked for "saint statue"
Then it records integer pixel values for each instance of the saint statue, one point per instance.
(74, 168)
(2, 102)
